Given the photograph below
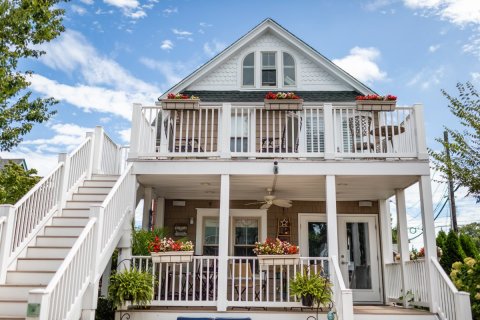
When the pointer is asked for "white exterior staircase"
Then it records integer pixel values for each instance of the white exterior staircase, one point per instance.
(57, 240)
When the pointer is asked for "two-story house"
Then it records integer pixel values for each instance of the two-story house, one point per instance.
(229, 172)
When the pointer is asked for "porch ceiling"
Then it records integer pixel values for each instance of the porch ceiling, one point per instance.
(253, 187)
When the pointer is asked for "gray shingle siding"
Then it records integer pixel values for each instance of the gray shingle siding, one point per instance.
(258, 96)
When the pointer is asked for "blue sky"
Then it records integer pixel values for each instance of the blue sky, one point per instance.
(116, 52)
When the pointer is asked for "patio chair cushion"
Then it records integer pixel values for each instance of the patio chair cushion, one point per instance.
(187, 318)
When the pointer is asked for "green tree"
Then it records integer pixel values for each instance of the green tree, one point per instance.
(441, 240)
(463, 165)
(468, 245)
(15, 182)
(24, 24)
(473, 231)
(453, 252)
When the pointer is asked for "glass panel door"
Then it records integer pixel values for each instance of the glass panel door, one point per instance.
(317, 239)
(359, 257)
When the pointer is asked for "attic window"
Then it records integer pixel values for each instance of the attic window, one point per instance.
(249, 70)
(288, 70)
(269, 69)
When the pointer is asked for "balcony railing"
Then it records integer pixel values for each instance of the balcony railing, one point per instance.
(250, 131)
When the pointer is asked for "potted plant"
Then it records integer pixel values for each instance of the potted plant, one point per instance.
(374, 102)
(276, 252)
(312, 288)
(283, 101)
(130, 287)
(169, 250)
(180, 101)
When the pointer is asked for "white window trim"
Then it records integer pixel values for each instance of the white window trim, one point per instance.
(276, 69)
(294, 69)
(254, 70)
(203, 213)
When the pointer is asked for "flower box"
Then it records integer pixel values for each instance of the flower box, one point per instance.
(278, 259)
(180, 104)
(283, 104)
(376, 105)
(172, 257)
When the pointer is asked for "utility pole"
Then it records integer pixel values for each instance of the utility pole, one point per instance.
(453, 209)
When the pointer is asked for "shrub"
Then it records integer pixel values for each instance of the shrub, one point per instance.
(453, 252)
(468, 245)
(466, 277)
(105, 309)
(142, 238)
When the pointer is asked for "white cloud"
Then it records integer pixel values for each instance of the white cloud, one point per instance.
(473, 45)
(433, 48)
(105, 119)
(427, 78)
(66, 134)
(135, 14)
(166, 45)
(172, 72)
(87, 1)
(44, 163)
(78, 9)
(129, 4)
(125, 135)
(361, 63)
(213, 47)
(377, 4)
(182, 33)
(459, 12)
(92, 98)
(205, 25)
(475, 76)
(105, 85)
(169, 11)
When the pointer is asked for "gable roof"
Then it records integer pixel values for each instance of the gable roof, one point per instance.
(19, 161)
(270, 25)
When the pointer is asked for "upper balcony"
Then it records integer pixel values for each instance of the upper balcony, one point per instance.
(247, 131)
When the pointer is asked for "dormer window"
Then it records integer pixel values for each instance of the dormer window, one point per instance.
(288, 70)
(249, 70)
(269, 69)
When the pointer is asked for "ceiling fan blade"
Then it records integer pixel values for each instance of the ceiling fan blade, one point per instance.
(252, 203)
(265, 206)
(282, 203)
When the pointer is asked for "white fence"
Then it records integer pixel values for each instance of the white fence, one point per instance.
(182, 284)
(393, 282)
(342, 296)
(238, 130)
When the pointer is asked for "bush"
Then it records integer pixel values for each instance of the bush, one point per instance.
(468, 246)
(105, 309)
(466, 277)
(142, 238)
(441, 240)
(453, 252)
(131, 285)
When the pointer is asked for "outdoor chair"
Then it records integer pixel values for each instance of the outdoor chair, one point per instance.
(243, 279)
(360, 127)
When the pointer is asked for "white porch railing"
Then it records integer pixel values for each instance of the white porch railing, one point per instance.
(182, 284)
(236, 130)
(417, 282)
(451, 303)
(373, 133)
(393, 282)
(342, 296)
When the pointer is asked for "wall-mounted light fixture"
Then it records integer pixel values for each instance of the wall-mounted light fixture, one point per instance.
(192, 220)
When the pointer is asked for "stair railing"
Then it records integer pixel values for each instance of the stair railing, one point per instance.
(342, 297)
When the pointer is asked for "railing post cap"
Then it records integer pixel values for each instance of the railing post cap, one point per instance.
(6, 205)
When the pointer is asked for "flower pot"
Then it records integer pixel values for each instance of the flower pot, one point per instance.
(172, 257)
(283, 104)
(125, 305)
(180, 104)
(376, 105)
(307, 301)
(278, 259)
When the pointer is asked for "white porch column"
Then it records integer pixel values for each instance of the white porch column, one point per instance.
(223, 242)
(160, 218)
(147, 205)
(429, 240)
(402, 237)
(331, 206)
(386, 228)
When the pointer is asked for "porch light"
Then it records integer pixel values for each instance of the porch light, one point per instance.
(192, 220)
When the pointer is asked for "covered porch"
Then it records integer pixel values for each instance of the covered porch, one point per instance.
(341, 223)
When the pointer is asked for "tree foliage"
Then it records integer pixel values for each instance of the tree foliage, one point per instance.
(452, 252)
(473, 231)
(15, 182)
(466, 277)
(468, 246)
(463, 165)
(24, 24)
(441, 240)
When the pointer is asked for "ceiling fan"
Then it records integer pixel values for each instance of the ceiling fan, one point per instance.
(270, 199)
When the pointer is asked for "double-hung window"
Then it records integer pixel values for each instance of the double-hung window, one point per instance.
(248, 72)
(210, 236)
(245, 236)
(269, 69)
(288, 70)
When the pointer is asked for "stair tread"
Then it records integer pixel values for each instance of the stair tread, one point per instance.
(85, 201)
(32, 271)
(53, 247)
(79, 217)
(91, 194)
(13, 300)
(49, 259)
(57, 237)
(23, 285)
(65, 227)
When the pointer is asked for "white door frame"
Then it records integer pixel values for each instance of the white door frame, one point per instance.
(203, 213)
(304, 218)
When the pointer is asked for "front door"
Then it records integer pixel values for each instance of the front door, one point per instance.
(358, 255)
(358, 251)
